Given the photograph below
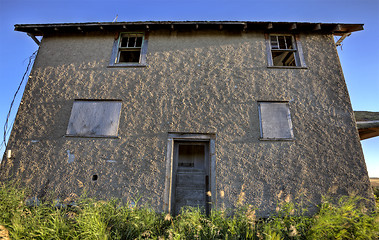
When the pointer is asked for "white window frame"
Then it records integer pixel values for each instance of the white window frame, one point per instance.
(297, 50)
(288, 116)
(117, 49)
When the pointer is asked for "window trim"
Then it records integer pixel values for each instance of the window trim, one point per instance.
(299, 56)
(261, 138)
(116, 50)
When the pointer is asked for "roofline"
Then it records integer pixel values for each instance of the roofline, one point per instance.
(332, 28)
(368, 129)
(367, 124)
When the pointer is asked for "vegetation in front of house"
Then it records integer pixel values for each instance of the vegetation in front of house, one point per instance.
(93, 219)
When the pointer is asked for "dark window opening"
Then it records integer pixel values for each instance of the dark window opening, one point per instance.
(129, 49)
(284, 51)
(129, 56)
(280, 58)
(94, 177)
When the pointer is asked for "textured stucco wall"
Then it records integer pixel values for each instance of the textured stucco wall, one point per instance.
(196, 82)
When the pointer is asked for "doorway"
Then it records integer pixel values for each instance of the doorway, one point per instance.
(190, 176)
(190, 172)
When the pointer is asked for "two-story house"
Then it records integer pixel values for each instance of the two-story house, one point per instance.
(209, 114)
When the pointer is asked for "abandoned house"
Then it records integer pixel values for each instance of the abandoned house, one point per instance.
(178, 113)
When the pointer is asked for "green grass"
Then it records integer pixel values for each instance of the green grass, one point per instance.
(94, 219)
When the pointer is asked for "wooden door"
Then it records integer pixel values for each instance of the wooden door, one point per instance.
(191, 175)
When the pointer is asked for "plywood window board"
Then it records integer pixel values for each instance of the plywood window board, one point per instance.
(275, 121)
(94, 118)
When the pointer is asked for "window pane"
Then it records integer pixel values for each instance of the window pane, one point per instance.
(282, 43)
(275, 120)
(283, 58)
(132, 41)
(94, 118)
(124, 41)
(289, 42)
(274, 42)
(129, 56)
(139, 42)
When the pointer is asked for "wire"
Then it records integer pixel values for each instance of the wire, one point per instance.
(6, 129)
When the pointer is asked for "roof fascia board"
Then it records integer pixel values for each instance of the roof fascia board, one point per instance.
(334, 28)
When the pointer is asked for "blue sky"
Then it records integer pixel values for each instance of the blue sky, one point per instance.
(359, 54)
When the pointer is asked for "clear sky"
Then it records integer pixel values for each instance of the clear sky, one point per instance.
(359, 54)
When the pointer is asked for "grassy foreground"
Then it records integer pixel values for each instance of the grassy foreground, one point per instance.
(91, 219)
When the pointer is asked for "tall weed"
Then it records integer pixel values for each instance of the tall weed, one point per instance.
(11, 201)
(344, 220)
(94, 219)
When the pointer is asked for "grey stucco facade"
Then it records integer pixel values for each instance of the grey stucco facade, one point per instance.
(205, 82)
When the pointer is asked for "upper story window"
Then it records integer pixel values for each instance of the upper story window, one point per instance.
(129, 50)
(284, 51)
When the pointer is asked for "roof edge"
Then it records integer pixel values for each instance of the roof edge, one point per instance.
(334, 28)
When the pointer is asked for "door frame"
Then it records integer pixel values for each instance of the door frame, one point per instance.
(168, 199)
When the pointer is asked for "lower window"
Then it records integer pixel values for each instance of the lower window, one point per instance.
(275, 121)
(94, 118)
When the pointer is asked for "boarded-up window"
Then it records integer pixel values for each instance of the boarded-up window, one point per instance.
(94, 118)
(275, 120)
